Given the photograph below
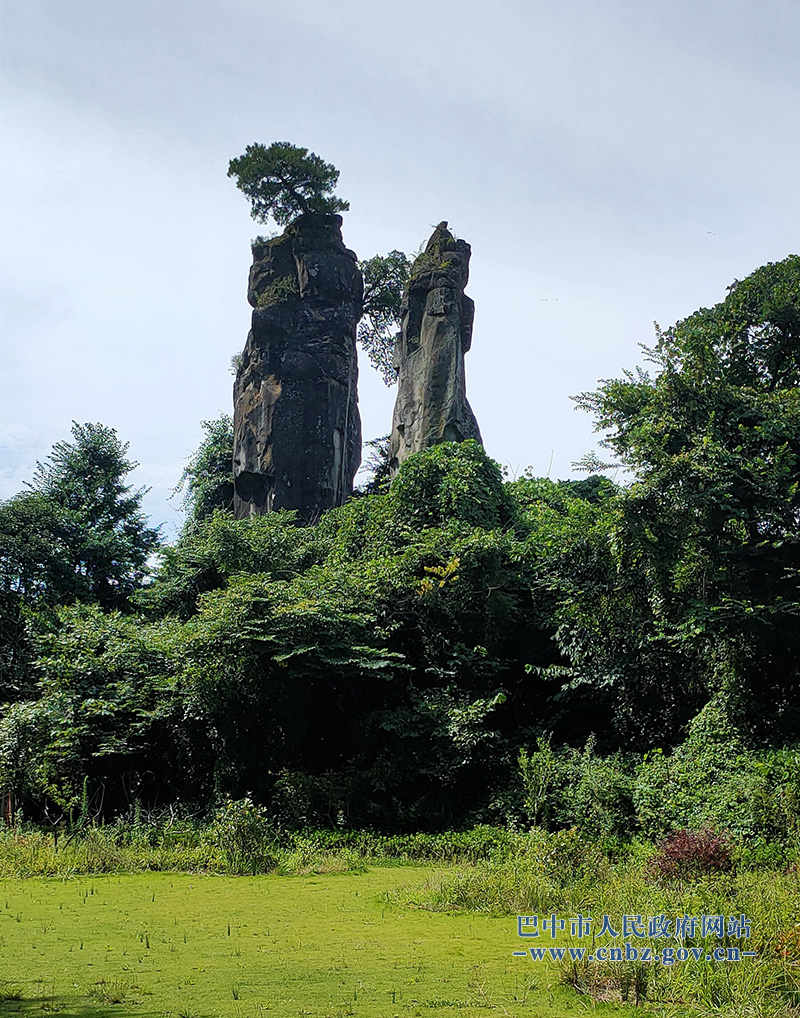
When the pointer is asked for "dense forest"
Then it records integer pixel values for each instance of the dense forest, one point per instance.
(450, 647)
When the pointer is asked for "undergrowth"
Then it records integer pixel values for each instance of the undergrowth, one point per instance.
(567, 877)
(499, 872)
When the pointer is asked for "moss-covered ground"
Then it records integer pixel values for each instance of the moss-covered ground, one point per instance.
(321, 945)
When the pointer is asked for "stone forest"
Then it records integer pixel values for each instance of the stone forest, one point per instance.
(477, 696)
(297, 431)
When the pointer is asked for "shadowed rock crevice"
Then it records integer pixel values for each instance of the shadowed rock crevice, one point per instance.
(297, 430)
(436, 332)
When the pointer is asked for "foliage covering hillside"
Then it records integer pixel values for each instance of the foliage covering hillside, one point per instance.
(387, 666)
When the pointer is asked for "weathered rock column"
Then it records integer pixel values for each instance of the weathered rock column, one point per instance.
(436, 332)
(297, 430)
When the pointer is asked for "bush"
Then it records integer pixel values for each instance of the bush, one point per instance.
(713, 780)
(452, 481)
(686, 855)
(567, 788)
(245, 836)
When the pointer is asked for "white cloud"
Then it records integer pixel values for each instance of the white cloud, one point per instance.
(610, 164)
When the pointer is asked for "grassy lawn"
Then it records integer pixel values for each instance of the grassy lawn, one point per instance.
(326, 945)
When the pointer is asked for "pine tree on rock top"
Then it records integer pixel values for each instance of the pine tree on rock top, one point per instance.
(283, 181)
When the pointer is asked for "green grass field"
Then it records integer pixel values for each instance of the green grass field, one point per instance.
(325, 945)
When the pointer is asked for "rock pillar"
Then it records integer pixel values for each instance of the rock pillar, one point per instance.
(297, 430)
(436, 332)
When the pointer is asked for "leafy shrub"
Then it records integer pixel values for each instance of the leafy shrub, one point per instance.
(541, 873)
(566, 856)
(278, 292)
(244, 834)
(455, 481)
(776, 810)
(567, 788)
(537, 770)
(762, 854)
(712, 779)
(477, 844)
(215, 550)
(111, 848)
(686, 855)
(600, 800)
(364, 528)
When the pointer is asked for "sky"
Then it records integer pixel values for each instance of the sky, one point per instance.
(611, 162)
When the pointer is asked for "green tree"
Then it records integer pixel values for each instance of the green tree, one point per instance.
(282, 181)
(31, 531)
(109, 718)
(207, 479)
(78, 533)
(706, 542)
(284, 677)
(385, 277)
(378, 464)
(217, 548)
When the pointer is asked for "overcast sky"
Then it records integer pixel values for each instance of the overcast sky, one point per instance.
(611, 162)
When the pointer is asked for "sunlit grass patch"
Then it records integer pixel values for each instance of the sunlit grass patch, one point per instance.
(768, 984)
(318, 945)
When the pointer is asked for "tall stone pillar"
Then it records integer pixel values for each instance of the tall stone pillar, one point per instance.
(297, 430)
(431, 405)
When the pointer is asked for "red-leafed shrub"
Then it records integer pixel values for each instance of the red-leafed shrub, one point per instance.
(686, 854)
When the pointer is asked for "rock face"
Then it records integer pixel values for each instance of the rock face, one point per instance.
(436, 332)
(297, 430)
